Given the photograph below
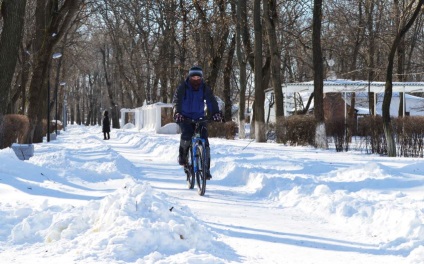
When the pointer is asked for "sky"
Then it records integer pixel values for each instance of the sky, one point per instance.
(81, 199)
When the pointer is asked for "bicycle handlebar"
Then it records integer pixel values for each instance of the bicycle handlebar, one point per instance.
(194, 121)
(200, 120)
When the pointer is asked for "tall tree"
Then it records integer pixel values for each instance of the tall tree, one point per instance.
(227, 80)
(320, 131)
(259, 111)
(270, 18)
(372, 29)
(241, 21)
(13, 13)
(405, 25)
(52, 22)
(215, 44)
(105, 51)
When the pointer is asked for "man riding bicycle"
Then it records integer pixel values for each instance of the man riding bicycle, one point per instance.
(189, 100)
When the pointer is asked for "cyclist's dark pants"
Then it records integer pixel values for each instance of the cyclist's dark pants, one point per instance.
(187, 131)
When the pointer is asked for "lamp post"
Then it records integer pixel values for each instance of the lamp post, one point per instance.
(55, 101)
(55, 56)
(62, 84)
(48, 106)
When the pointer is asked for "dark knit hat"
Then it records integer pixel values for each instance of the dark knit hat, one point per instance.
(195, 71)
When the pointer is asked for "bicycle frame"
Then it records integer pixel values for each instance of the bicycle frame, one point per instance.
(195, 140)
(197, 161)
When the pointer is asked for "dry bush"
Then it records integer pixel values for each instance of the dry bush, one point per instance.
(166, 116)
(226, 130)
(337, 129)
(410, 135)
(371, 128)
(166, 120)
(52, 127)
(300, 130)
(15, 129)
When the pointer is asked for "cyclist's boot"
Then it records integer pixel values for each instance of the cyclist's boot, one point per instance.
(208, 163)
(182, 157)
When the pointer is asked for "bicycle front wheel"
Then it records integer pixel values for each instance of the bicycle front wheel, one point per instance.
(201, 169)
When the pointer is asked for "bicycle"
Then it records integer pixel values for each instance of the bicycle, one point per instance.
(195, 168)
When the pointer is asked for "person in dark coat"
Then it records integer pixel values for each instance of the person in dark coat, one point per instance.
(106, 126)
(189, 100)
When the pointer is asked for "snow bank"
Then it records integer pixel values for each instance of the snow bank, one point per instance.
(131, 224)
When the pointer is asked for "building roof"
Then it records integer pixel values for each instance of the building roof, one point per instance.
(340, 85)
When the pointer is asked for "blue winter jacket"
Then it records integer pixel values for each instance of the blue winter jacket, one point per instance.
(191, 103)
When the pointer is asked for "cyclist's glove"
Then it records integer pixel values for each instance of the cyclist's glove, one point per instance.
(217, 117)
(178, 118)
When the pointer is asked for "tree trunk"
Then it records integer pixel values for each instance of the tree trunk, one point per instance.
(259, 111)
(52, 24)
(245, 36)
(241, 22)
(388, 130)
(270, 14)
(227, 80)
(369, 9)
(25, 75)
(320, 132)
(114, 111)
(400, 67)
(359, 38)
(13, 12)
(215, 53)
(1, 130)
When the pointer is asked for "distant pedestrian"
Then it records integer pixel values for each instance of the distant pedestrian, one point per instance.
(106, 126)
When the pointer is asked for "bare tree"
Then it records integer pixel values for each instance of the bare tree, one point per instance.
(320, 132)
(149, 45)
(241, 58)
(13, 13)
(405, 25)
(52, 22)
(214, 40)
(227, 80)
(270, 18)
(105, 51)
(259, 111)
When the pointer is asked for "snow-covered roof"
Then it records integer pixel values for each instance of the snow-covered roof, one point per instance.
(340, 85)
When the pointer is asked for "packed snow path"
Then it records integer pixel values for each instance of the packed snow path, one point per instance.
(242, 204)
(266, 203)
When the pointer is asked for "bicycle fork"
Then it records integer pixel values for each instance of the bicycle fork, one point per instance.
(197, 155)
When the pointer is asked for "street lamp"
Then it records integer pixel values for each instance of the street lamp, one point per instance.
(55, 56)
(331, 73)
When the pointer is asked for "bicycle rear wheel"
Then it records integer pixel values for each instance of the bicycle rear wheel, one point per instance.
(188, 169)
(201, 169)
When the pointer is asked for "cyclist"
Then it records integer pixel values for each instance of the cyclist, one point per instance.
(189, 100)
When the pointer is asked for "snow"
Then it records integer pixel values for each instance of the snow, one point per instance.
(81, 199)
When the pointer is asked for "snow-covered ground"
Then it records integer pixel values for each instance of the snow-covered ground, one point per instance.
(81, 199)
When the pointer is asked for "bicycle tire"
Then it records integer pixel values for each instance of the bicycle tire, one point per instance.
(201, 169)
(189, 169)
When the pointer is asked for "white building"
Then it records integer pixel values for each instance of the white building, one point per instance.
(414, 104)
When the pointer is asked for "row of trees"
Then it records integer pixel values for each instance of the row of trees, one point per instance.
(123, 53)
